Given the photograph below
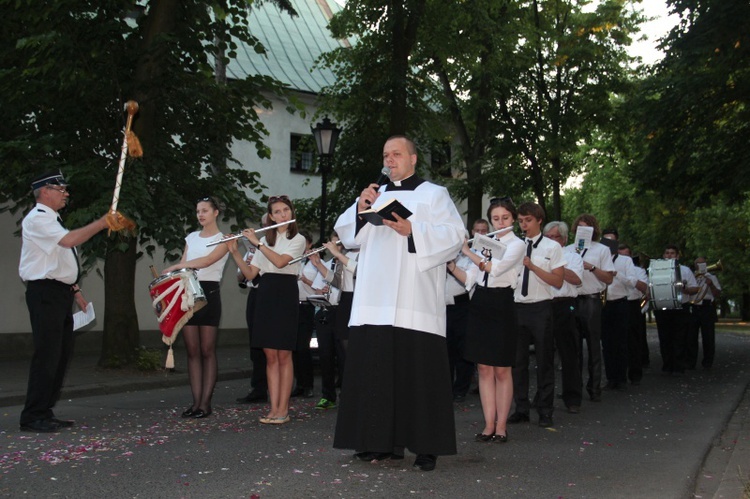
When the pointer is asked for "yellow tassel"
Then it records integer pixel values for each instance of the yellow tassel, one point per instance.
(170, 359)
(134, 145)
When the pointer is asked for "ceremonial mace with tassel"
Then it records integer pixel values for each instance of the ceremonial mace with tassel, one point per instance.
(131, 146)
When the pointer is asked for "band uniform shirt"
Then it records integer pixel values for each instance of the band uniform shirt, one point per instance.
(709, 294)
(321, 281)
(600, 257)
(396, 287)
(42, 257)
(347, 273)
(642, 275)
(504, 271)
(196, 248)
(548, 255)
(625, 279)
(690, 282)
(310, 272)
(294, 247)
(575, 265)
(454, 287)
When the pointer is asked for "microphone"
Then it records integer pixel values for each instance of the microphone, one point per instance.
(385, 176)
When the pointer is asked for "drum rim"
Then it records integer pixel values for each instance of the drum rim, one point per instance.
(172, 274)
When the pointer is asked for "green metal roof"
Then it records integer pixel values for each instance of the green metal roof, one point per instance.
(292, 45)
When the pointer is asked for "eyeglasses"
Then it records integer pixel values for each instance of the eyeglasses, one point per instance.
(503, 199)
(62, 190)
(274, 199)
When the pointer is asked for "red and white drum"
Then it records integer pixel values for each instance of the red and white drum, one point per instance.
(176, 297)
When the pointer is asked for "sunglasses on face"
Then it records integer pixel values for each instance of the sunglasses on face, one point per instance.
(62, 190)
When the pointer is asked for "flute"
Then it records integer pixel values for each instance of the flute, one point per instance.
(311, 252)
(504, 229)
(257, 231)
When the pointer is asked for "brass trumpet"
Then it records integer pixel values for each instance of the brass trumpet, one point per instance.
(716, 267)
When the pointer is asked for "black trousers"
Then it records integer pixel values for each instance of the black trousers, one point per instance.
(636, 340)
(615, 330)
(589, 322)
(50, 305)
(328, 348)
(567, 344)
(258, 380)
(456, 322)
(703, 323)
(535, 321)
(302, 357)
(672, 326)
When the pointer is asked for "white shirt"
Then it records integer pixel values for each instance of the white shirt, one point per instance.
(309, 272)
(321, 281)
(575, 265)
(196, 248)
(625, 280)
(42, 257)
(702, 283)
(504, 271)
(548, 255)
(600, 257)
(690, 282)
(294, 247)
(454, 287)
(635, 294)
(395, 287)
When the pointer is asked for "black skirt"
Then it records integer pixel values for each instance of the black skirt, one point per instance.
(343, 312)
(492, 331)
(396, 393)
(210, 313)
(276, 312)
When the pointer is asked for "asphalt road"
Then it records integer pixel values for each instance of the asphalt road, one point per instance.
(651, 441)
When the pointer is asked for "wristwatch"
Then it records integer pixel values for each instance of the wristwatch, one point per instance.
(260, 243)
(593, 268)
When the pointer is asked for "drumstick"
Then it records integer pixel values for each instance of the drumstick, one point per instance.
(153, 271)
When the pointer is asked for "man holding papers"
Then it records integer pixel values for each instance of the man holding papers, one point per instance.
(396, 393)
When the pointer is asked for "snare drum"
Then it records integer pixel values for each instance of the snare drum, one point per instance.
(665, 284)
(176, 296)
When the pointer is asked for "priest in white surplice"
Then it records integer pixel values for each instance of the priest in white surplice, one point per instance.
(396, 391)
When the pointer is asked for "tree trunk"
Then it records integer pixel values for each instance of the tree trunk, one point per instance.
(121, 336)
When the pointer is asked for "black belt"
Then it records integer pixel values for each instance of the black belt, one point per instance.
(619, 300)
(562, 298)
(50, 282)
(305, 304)
(460, 299)
(596, 296)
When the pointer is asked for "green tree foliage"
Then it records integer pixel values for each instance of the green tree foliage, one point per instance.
(68, 66)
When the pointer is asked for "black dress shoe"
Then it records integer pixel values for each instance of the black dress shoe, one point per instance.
(425, 462)
(188, 413)
(307, 393)
(62, 423)
(256, 396)
(545, 421)
(41, 426)
(481, 437)
(500, 439)
(297, 392)
(200, 413)
(518, 417)
(375, 456)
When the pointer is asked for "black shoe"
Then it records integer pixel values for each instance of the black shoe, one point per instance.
(500, 439)
(574, 409)
(255, 396)
(375, 456)
(41, 426)
(200, 413)
(425, 462)
(302, 392)
(62, 423)
(189, 412)
(481, 437)
(518, 417)
(545, 421)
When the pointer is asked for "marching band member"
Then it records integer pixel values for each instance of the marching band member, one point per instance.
(544, 269)
(492, 330)
(637, 330)
(599, 269)
(277, 302)
(703, 311)
(302, 356)
(201, 330)
(564, 328)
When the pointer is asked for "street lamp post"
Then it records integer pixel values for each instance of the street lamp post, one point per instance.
(326, 134)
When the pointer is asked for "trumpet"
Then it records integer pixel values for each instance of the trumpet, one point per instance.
(257, 231)
(311, 252)
(703, 291)
(716, 267)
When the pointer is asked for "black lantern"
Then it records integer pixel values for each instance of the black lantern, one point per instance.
(326, 135)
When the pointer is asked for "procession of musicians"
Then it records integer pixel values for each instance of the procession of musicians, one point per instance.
(412, 314)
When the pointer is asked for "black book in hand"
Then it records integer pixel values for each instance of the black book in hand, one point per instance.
(376, 215)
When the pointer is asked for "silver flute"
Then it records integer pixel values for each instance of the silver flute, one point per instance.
(311, 252)
(257, 231)
(504, 229)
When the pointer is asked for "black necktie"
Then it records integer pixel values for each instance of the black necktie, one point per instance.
(525, 282)
(75, 255)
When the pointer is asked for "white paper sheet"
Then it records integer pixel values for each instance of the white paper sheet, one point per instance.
(82, 318)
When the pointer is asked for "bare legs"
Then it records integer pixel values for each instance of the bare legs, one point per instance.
(200, 343)
(280, 373)
(496, 393)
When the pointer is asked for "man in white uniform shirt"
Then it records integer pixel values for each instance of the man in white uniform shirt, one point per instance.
(598, 272)
(703, 310)
(543, 270)
(564, 328)
(637, 341)
(396, 392)
(49, 265)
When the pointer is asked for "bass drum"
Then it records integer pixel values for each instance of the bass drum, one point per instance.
(665, 284)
